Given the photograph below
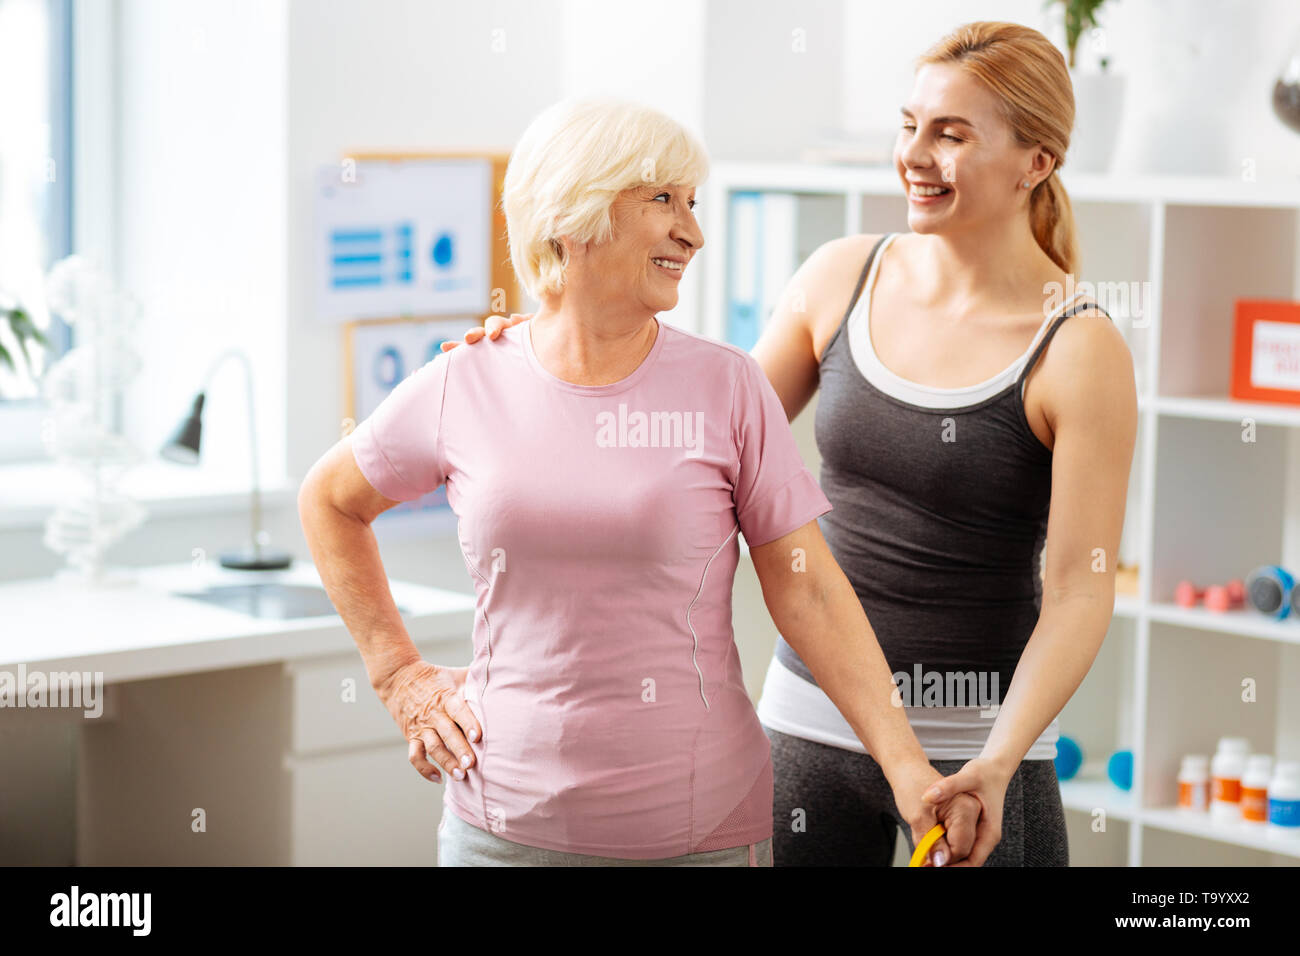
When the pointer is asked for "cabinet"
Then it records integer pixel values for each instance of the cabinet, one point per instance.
(279, 764)
(354, 798)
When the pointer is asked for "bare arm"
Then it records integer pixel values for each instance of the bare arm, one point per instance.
(817, 611)
(810, 307)
(1091, 407)
(336, 506)
(1094, 420)
(819, 614)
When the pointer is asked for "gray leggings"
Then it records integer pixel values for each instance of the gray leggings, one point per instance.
(849, 817)
(462, 844)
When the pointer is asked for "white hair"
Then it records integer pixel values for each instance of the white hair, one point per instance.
(573, 160)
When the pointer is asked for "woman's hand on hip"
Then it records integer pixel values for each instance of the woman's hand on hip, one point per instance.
(427, 703)
(492, 327)
(987, 783)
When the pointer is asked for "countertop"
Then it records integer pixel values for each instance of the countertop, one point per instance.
(144, 629)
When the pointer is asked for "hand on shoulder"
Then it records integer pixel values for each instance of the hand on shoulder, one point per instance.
(492, 327)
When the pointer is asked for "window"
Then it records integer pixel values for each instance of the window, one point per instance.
(35, 200)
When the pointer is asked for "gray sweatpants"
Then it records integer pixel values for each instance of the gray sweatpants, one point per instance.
(834, 807)
(463, 844)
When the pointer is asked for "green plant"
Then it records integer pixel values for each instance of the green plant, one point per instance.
(25, 331)
(1080, 16)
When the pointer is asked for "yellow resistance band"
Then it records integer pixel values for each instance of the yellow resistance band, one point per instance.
(927, 841)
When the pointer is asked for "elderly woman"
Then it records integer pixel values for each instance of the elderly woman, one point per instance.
(604, 718)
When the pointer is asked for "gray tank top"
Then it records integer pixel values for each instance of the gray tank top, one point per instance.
(939, 515)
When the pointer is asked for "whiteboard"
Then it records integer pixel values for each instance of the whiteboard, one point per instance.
(403, 238)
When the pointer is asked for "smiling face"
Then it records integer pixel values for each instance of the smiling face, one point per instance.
(952, 136)
(651, 225)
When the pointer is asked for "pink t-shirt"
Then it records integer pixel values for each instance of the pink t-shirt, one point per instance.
(599, 525)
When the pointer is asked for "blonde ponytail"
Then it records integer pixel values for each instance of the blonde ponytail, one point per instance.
(1052, 220)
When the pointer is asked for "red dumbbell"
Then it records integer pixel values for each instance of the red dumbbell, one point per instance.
(1217, 597)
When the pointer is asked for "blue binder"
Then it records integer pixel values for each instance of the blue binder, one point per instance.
(744, 269)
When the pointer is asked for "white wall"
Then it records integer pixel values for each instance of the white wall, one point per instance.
(774, 76)
(1201, 86)
(657, 60)
(1199, 74)
(201, 217)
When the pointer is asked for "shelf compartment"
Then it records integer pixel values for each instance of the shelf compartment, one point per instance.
(1213, 257)
(1244, 623)
(1192, 823)
(1220, 408)
(1085, 794)
(1195, 696)
(1221, 510)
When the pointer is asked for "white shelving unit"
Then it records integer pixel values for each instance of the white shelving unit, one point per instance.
(1204, 504)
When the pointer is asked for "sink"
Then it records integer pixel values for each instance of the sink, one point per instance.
(270, 599)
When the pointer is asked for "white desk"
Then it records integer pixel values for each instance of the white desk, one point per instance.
(225, 738)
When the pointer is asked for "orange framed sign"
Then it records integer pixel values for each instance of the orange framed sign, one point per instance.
(1266, 351)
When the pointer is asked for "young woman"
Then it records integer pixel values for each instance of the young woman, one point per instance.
(971, 409)
(958, 428)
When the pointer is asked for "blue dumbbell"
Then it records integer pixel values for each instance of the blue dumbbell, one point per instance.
(1272, 590)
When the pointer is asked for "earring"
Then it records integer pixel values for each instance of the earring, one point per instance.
(1025, 184)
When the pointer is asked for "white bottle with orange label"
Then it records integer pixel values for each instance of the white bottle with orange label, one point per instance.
(1225, 778)
(1254, 788)
(1194, 783)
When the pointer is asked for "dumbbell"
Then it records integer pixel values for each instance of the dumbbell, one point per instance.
(1272, 590)
(1217, 597)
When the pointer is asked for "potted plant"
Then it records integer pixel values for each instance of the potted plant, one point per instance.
(23, 330)
(1098, 94)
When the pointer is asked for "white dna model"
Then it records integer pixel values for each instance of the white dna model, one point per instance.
(81, 390)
